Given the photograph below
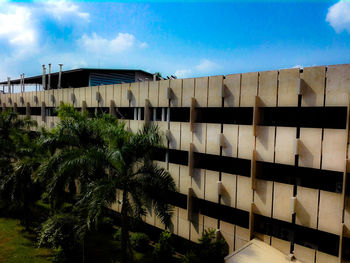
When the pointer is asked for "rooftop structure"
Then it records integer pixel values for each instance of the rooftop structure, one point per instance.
(81, 77)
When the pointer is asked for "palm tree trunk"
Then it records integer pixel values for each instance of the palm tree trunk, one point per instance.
(125, 228)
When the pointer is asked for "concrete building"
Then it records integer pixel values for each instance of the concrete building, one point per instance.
(255, 155)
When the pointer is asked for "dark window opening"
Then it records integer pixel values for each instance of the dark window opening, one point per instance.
(241, 115)
(307, 177)
(313, 117)
(178, 157)
(180, 114)
(222, 163)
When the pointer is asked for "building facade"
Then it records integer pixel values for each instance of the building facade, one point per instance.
(262, 154)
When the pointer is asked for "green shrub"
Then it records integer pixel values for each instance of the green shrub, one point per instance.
(59, 256)
(164, 250)
(117, 236)
(139, 241)
(209, 249)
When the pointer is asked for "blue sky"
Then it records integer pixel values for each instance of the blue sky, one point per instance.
(179, 38)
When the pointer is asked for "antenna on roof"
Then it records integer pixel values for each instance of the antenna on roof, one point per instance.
(59, 77)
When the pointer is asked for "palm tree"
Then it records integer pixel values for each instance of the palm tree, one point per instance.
(105, 158)
(18, 160)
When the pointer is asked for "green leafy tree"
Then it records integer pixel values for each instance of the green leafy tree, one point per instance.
(20, 156)
(105, 158)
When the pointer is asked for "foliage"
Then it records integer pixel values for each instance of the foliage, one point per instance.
(139, 241)
(105, 158)
(164, 249)
(20, 156)
(209, 250)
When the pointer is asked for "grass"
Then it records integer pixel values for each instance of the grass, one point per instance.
(17, 246)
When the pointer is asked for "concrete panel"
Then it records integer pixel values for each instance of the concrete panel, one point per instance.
(200, 137)
(347, 217)
(176, 94)
(187, 92)
(135, 94)
(285, 139)
(153, 93)
(109, 95)
(310, 147)
(66, 95)
(163, 87)
(150, 217)
(334, 149)
(230, 132)
(244, 193)
(281, 245)
(229, 182)
(27, 96)
(79, 94)
(249, 89)
(198, 182)
(215, 86)
(124, 102)
(265, 143)
(210, 223)
(282, 195)
(88, 96)
(265, 238)
(174, 221)
(228, 233)
(211, 193)
(338, 85)
(158, 223)
(288, 81)
(213, 131)
(241, 237)
(185, 180)
(117, 94)
(196, 227)
(313, 86)
(246, 141)
(325, 258)
(103, 98)
(143, 92)
(232, 85)
(306, 207)
(263, 197)
(134, 126)
(174, 170)
(304, 254)
(201, 91)
(183, 225)
(268, 88)
(175, 135)
(330, 212)
(186, 136)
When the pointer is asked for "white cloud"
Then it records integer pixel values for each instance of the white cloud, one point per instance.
(183, 73)
(206, 66)
(95, 43)
(338, 16)
(143, 45)
(17, 26)
(62, 9)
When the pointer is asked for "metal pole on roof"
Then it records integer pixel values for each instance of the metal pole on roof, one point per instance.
(23, 83)
(9, 84)
(49, 79)
(59, 77)
(44, 75)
